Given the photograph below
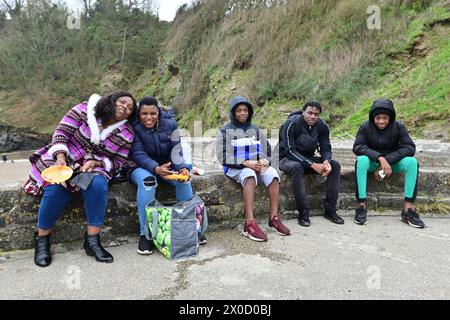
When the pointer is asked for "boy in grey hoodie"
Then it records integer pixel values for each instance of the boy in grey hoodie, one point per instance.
(243, 151)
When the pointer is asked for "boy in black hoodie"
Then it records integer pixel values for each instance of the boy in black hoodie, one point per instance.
(383, 146)
(301, 136)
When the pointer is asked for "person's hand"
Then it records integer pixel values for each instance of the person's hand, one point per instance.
(60, 159)
(253, 164)
(385, 166)
(263, 165)
(377, 175)
(89, 166)
(164, 170)
(319, 168)
(185, 172)
(327, 167)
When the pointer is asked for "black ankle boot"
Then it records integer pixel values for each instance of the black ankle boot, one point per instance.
(42, 255)
(94, 248)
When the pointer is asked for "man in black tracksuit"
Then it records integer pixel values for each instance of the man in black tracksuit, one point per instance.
(300, 136)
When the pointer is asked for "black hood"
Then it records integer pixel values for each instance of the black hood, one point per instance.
(295, 113)
(384, 106)
(234, 102)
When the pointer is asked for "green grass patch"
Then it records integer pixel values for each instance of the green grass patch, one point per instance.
(420, 92)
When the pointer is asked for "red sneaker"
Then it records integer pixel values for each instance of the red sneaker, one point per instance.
(276, 225)
(253, 232)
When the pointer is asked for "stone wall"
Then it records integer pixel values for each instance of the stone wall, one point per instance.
(223, 198)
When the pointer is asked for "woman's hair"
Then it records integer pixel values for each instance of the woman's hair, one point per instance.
(106, 106)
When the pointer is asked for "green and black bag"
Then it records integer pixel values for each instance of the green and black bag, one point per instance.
(174, 229)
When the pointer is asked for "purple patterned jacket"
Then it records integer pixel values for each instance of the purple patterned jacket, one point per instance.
(78, 136)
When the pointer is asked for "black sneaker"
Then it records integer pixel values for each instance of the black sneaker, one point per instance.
(412, 218)
(360, 215)
(333, 217)
(144, 246)
(202, 239)
(303, 218)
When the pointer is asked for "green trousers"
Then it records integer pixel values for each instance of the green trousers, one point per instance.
(407, 165)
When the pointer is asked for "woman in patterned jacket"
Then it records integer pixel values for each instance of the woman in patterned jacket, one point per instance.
(96, 138)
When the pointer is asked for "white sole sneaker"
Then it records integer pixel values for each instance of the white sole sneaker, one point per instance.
(278, 232)
(246, 234)
(412, 224)
(144, 253)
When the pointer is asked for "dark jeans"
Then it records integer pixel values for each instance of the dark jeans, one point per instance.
(297, 172)
(55, 198)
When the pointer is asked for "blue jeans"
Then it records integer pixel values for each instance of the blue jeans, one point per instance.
(183, 191)
(55, 198)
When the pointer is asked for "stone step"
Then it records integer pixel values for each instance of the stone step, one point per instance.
(426, 159)
(432, 183)
(430, 153)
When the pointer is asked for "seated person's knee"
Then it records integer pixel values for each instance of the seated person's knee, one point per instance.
(250, 180)
(297, 169)
(99, 185)
(335, 165)
(149, 182)
(363, 160)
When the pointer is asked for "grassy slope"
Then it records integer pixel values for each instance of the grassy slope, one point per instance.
(418, 83)
(411, 67)
(20, 111)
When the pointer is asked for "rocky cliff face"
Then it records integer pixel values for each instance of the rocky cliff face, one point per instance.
(14, 139)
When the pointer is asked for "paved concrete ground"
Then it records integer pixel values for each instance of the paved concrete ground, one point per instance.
(385, 259)
(14, 174)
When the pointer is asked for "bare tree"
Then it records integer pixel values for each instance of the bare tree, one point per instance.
(87, 5)
(14, 7)
(149, 6)
(144, 5)
(123, 44)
